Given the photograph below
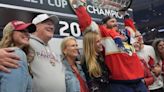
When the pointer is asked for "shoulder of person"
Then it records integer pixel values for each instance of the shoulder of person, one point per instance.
(19, 52)
(149, 47)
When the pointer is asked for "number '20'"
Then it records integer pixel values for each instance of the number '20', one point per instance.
(73, 26)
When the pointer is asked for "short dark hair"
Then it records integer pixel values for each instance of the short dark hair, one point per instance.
(105, 19)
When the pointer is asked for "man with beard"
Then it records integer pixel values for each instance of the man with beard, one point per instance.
(110, 23)
(126, 70)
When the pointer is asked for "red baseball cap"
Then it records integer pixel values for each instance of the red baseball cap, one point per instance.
(19, 25)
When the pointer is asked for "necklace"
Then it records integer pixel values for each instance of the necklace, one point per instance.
(51, 55)
(53, 60)
(49, 52)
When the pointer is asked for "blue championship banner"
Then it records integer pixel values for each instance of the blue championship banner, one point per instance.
(68, 24)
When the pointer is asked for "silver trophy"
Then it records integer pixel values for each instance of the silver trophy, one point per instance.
(118, 5)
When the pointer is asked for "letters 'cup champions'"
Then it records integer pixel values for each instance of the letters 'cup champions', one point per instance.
(118, 5)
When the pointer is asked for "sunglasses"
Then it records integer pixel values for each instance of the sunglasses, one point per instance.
(23, 31)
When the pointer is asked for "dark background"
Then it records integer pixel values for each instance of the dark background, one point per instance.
(149, 18)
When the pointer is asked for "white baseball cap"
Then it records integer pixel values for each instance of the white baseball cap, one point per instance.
(42, 17)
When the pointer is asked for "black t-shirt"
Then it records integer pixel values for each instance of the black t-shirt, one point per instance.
(97, 84)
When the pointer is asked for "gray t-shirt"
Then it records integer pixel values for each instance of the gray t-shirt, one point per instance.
(47, 77)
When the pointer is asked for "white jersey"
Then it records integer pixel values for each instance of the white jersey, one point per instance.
(144, 54)
(48, 76)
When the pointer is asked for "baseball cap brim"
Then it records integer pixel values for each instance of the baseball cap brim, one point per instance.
(31, 27)
(54, 18)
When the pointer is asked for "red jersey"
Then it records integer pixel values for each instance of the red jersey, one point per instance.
(121, 65)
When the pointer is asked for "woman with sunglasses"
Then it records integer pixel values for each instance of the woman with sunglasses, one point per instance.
(16, 36)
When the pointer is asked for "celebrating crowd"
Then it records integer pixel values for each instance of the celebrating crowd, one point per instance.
(112, 61)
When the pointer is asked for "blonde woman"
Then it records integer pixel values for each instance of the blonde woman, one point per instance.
(16, 35)
(94, 66)
(74, 76)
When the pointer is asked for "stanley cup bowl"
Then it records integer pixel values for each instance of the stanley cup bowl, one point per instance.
(118, 5)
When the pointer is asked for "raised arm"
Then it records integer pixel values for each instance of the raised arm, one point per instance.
(84, 18)
(85, 21)
(130, 28)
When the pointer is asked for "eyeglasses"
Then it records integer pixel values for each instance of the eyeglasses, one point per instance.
(138, 36)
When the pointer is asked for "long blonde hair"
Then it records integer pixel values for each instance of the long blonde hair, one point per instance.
(89, 53)
(7, 40)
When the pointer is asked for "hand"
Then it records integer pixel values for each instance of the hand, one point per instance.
(126, 16)
(74, 1)
(157, 70)
(77, 3)
(8, 59)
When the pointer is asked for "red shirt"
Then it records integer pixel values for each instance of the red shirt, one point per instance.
(83, 86)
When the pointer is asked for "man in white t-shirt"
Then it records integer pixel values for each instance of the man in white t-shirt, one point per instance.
(147, 53)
